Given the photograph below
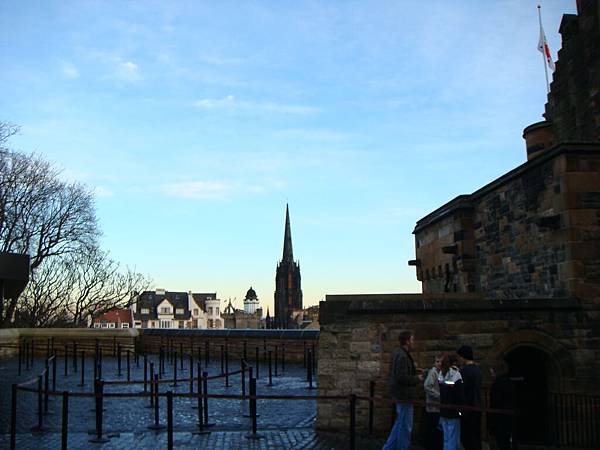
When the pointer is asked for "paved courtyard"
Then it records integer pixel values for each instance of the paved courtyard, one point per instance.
(282, 423)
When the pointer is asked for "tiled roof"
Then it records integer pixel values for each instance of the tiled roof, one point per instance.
(178, 300)
(115, 316)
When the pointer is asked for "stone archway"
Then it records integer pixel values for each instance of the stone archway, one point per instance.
(538, 365)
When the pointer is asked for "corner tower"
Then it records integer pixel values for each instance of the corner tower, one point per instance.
(288, 291)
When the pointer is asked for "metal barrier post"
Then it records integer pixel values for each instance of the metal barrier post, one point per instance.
(243, 377)
(99, 397)
(66, 359)
(276, 360)
(201, 429)
(313, 362)
(199, 357)
(114, 346)
(371, 405)
(82, 369)
(161, 362)
(245, 356)
(304, 351)
(65, 420)
(151, 386)
(352, 421)
(270, 370)
(100, 362)
(253, 414)
(145, 374)
(46, 387)
(175, 369)
(222, 360)
(309, 370)
(257, 362)
(170, 420)
(192, 374)
(128, 367)
(226, 367)
(13, 418)
(206, 353)
(40, 425)
(75, 356)
(119, 360)
(156, 425)
(54, 372)
(282, 358)
(52, 345)
(20, 357)
(181, 368)
(205, 393)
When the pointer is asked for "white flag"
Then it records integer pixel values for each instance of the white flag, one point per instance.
(544, 48)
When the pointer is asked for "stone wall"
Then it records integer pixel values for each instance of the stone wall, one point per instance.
(358, 333)
(534, 232)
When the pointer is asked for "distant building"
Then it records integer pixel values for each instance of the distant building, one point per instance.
(115, 318)
(250, 317)
(288, 290)
(164, 309)
(307, 318)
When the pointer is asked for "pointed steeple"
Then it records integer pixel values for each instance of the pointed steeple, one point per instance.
(288, 254)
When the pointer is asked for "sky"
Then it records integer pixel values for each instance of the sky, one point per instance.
(195, 122)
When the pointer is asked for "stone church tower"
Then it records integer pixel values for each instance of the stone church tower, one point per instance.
(288, 292)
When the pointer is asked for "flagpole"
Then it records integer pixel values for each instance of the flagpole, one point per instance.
(543, 55)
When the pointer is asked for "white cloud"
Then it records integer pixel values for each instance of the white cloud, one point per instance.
(199, 190)
(230, 102)
(128, 71)
(69, 71)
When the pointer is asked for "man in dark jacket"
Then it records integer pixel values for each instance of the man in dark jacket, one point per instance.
(470, 423)
(403, 388)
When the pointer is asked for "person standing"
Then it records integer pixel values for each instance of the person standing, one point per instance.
(502, 396)
(470, 434)
(433, 435)
(452, 394)
(403, 380)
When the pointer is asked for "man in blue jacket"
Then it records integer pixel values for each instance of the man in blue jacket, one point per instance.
(403, 381)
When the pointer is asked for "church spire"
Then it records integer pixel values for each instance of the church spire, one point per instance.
(288, 254)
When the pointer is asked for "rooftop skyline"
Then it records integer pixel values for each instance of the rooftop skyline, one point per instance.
(196, 123)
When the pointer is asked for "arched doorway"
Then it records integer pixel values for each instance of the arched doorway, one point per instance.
(532, 373)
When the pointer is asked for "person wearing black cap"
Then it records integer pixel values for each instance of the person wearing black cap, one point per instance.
(470, 427)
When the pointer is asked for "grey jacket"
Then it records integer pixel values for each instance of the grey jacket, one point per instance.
(403, 376)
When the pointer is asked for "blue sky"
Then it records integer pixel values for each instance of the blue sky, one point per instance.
(195, 122)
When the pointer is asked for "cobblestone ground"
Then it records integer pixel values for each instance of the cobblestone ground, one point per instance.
(283, 423)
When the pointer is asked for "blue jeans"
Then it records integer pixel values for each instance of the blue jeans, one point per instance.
(451, 429)
(399, 437)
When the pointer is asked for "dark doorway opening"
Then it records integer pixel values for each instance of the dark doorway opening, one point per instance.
(528, 368)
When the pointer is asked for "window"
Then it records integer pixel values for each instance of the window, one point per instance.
(210, 310)
(145, 311)
(111, 325)
(195, 311)
(153, 324)
(144, 324)
(179, 311)
(165, 310)
(104, 325)
(181, 324)
(217, 323)
(96, 325)
(125, 325)
(165, 324)
(210, 323)
(217, 310)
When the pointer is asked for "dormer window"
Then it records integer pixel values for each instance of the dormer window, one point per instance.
(145, 311)
(179, 311)
(165, 310)
(195, 311)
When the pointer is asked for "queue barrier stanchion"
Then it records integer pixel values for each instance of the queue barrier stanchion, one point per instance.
(119, 360)
(205, 394)
(226, 367)
(170, 420)
(243, 376)
(54, 371)
(39, 428)
(99, 409)
(156, 425)
(65, 420)
(247, 408)
(82, 383)
(201, 425)
(145, 374)
(192, 374)
(13, 417)
(206, 353)
(222, 360)
(254, 434)
(181, 368)
(151, 405)
(128, 367)
(46, 387)
(75, 356)
(175, 370)
(276, 360)
(257, 362)
(270, 370)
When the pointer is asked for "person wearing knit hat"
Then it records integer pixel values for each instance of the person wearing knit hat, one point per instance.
(470, 426)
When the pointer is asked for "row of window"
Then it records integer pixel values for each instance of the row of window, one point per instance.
(105, 324)
(172, 324)
(167, 310)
